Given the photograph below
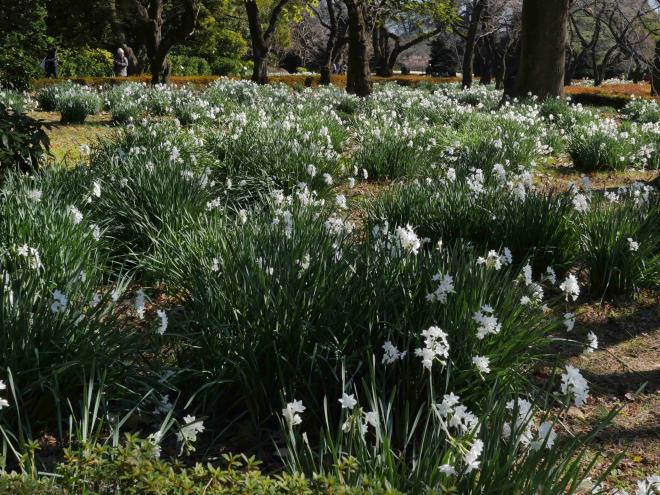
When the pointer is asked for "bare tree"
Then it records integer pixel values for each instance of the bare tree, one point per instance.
(609, 33)
(397, 26)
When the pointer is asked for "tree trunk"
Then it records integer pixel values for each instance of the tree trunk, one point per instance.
(326, 62)
(381, 47)
(358, 80)
(161, 69)
(655, 71)
(470, 39)
(260, 48)
(180, 22)
(260, 68)
(543, 48)
(485, 62)
(511, 68)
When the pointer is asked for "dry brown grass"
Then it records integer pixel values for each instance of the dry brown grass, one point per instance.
(641, 90)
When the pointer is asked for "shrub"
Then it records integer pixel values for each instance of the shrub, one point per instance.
(126, 111)
(641, 110)
(502, 442)
(23, 142)
(279, 150)
(134, 469)
(223, 66)
(76, 103)
(154, 177)
(84, 62)
(187, 65)
(15, 101)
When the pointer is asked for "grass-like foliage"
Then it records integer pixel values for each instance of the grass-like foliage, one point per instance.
(234, 267)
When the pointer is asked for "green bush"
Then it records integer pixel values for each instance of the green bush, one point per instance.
(150, 190)
(126, 111)
(536, 225)
(15, 101)
(188, 65)
(604, 144)
(223, 66)
(23, 142)
(84, 62)
(135, 469)
(641, 110)
(20, 54)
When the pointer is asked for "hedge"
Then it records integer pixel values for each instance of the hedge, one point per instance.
(136, 468)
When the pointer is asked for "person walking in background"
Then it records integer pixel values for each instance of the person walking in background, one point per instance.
(50, 62)
(121, 64)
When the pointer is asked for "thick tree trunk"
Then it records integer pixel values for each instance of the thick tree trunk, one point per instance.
(655, 71)
(358, 80)
(485, 62)
(511, 68)
(470, 40)
(381, 47)
(260, 48)
(161, 69)
(260, 68)
(543, 48)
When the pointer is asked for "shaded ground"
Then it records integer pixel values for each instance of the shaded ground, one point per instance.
(624, 373)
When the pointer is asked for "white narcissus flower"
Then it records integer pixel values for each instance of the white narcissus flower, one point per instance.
(60, 302)
(570, 287)
(447, 470)
(573, 383)
(391, 353)
(569, 321)
(580, 203)
(592, 344)
(35, 195)
(546, 434)
(487, 322)
(139, 303)
(482, 363)
(435, 347)
(292, 412)
(347, 401)
(190, 429)
(163, 321)
(633, 246)
(471, 458)
(76, 216)
(371, 418)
